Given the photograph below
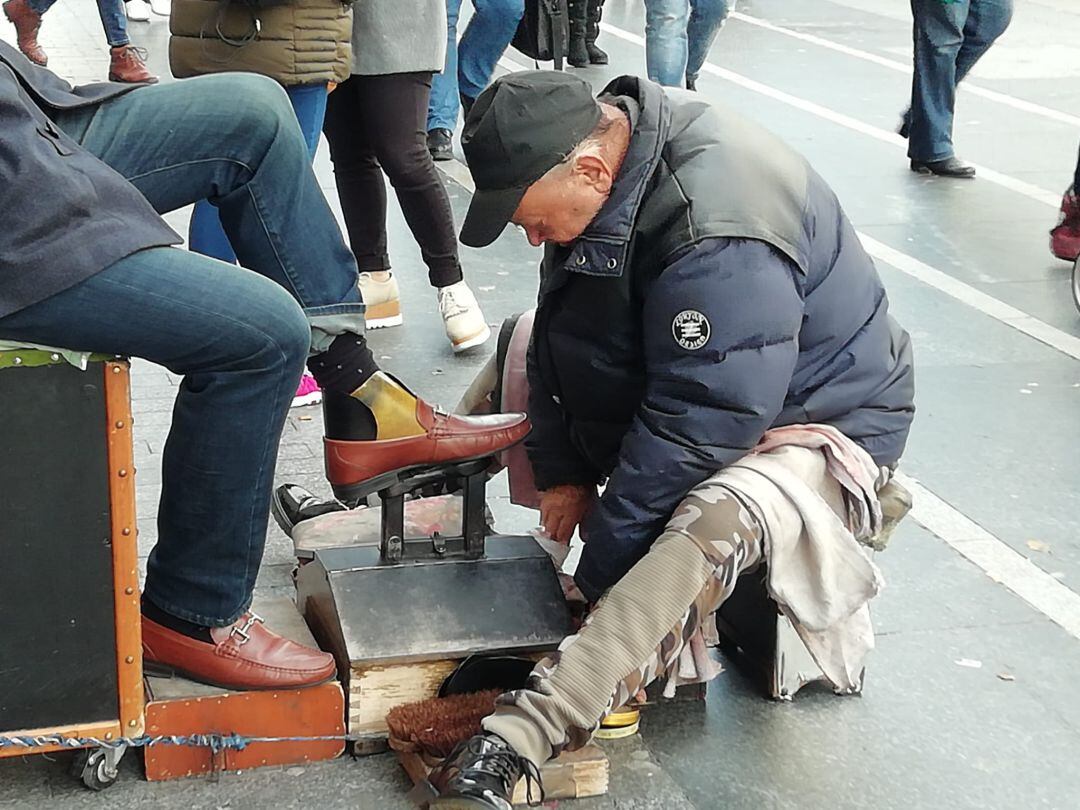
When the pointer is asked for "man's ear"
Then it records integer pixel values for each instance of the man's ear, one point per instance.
(595, 171)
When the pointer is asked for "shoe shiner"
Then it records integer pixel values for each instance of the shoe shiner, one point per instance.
(86, 262)
(713, 342)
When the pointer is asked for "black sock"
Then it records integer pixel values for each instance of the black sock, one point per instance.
(345, 366)
(182, 626)
(339, 371)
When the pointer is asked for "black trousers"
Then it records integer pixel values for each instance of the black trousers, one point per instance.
(377, 124)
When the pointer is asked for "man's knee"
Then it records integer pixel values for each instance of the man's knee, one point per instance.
(715, 520)
(277, 335)
(261, 106)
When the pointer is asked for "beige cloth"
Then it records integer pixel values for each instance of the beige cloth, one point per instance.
(819, 574)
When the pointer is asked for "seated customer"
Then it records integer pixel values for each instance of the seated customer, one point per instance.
(86, 262)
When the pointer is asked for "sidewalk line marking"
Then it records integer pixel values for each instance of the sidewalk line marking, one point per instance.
(975, 298)
(1005, 181)
(902, 67)
(995, 557)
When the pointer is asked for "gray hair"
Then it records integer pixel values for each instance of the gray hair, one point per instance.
(593, 144)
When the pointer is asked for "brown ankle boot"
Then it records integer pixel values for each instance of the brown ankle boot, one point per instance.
(128, 65)
(26, 22)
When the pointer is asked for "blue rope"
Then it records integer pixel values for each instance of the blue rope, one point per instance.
(215, 742)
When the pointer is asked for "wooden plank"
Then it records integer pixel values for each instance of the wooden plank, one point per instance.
(313, 711)
(124, 547)
(571, 775)
(374, 691)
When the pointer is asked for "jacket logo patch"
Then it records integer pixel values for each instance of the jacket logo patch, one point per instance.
(691, 329)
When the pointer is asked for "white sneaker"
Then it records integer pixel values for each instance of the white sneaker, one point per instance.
(382, 300)
(161, 7)
(137, 10)
(465, 324)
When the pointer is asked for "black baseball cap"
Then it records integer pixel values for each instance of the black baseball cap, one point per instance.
(520, 127)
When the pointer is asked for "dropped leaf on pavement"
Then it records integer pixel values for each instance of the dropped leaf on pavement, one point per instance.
(970, 663)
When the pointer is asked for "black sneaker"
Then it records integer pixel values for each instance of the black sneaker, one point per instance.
(441, 144)
(292, 504)
(482, 772)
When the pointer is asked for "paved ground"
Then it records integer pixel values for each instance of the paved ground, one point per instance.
(986, 574)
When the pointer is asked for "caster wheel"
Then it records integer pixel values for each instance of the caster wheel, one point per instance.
(96, 767)
(1076, 283)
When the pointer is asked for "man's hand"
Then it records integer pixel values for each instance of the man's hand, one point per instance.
(563, 507)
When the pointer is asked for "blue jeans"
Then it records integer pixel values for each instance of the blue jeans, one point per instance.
(113, 19)
(678, 35)
(950, 37)
(205, 235)
(239, 337)
(470, 63)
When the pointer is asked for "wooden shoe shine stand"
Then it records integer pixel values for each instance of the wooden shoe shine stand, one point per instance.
(403, 603)
(70, 650)
(177, 706)
(398, 612)
(70, 647)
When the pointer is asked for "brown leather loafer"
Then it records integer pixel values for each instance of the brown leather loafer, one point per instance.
(243, 656)
(356, 469)
(26, 22)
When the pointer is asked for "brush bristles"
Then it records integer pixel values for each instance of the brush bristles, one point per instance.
(436, 725)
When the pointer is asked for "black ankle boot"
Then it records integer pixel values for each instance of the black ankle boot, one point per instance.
(577, 54)
(482, 773)
(597, 56)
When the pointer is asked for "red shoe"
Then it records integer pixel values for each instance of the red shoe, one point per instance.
(243, 656)
(128, 64)
(1065, 237)
(411, 435)
(27, 22)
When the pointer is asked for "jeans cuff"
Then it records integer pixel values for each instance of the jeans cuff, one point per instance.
(327, 322)
(196, 618)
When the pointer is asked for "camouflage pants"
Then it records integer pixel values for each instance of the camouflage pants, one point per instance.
(637, 630)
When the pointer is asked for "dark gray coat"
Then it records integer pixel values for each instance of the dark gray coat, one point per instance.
(720, 291)
(66, 215)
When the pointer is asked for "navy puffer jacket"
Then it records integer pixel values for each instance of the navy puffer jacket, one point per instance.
(721, 291)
